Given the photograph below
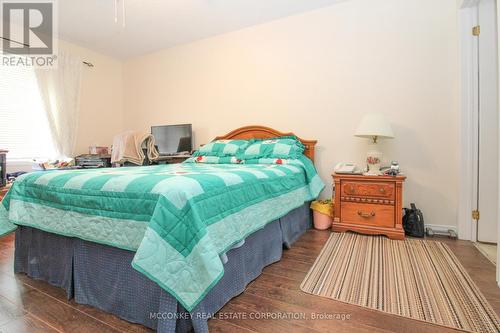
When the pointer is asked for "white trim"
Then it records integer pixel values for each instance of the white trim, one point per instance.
(468, 3)
(498, 226)
(441, 227)
(474, 140)
(468, 120)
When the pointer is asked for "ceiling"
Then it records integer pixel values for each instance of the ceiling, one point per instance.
(151, 25)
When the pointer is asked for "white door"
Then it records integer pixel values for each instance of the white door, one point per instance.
(488, 123)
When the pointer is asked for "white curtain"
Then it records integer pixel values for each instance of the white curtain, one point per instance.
(60, 92)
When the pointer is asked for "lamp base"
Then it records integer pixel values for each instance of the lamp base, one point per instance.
(373, 160)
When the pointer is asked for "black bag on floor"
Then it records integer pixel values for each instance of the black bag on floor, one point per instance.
(413, 222)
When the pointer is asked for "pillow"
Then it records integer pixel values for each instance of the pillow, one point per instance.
(222, 148)
(281, 147)
(213, 160)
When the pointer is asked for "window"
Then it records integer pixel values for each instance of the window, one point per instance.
(24, 128)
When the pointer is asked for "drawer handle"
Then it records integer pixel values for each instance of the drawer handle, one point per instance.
(366, 215)
(382, 190)
(351, 189)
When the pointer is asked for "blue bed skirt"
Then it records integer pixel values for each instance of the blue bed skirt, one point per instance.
(102, 276)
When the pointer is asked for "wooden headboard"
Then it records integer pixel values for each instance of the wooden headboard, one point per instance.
(262, 132)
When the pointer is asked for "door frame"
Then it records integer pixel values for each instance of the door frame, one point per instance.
(468, 120)
(498, 232)
(468, 17)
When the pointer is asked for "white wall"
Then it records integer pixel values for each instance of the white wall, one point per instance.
(101, 99)
(316, 74)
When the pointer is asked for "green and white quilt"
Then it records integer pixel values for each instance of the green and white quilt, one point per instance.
(178, 218)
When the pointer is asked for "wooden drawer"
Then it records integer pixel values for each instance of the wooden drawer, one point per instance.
(367, 214)
(379, 190)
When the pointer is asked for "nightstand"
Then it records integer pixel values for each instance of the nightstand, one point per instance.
(369, 204)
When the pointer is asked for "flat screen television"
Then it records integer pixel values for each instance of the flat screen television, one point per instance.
(173, 139)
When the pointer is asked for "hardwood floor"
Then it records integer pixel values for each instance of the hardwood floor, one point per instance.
(27, 305)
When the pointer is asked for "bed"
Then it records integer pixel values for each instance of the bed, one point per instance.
(164, 246)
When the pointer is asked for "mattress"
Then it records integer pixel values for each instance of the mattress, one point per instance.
(178, 219)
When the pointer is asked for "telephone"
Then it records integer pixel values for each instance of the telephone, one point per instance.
(347, 168)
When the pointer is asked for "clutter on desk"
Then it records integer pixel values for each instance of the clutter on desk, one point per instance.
(61, 164)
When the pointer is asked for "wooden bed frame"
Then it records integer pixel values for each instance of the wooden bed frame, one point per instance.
(263, 132)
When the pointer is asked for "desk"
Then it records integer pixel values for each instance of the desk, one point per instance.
(173, 159)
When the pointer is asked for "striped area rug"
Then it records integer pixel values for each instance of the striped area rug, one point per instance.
(414, 278)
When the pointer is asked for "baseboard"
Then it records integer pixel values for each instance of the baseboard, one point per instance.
(441, 227)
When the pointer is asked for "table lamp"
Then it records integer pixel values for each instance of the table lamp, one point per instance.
(374, 126)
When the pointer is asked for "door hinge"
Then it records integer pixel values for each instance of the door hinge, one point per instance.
(476, 31)
(475, 215)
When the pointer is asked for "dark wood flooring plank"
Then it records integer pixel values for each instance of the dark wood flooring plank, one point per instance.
(42, 286)
(306, 259)
(110, 319)
(291, 263)
(7, 266)
(56, 311)
(305, 253)
(279, 271)
(12, 288)
(9, 311)
(27, 324)
(60, 315)
(222, 326)
(60, 295)
(262, 325)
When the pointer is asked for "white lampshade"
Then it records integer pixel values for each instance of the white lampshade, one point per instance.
(374, 125)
